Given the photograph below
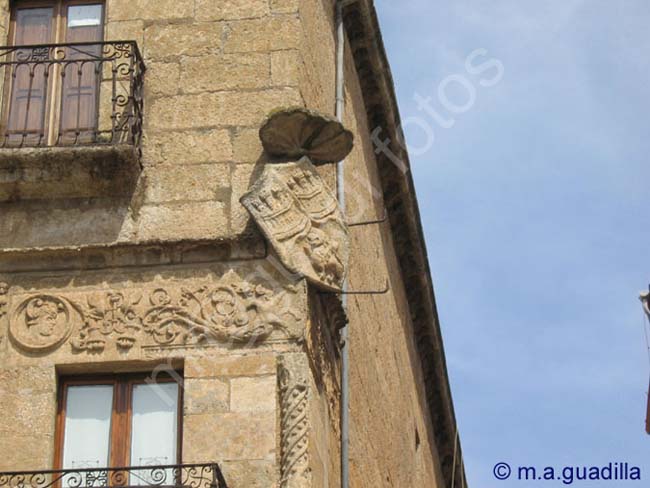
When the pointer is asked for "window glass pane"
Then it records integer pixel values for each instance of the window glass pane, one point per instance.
(33, 26)
(154, 428)
(84, 15)
(87, 430)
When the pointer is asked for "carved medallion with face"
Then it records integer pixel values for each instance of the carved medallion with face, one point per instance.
(40, 323)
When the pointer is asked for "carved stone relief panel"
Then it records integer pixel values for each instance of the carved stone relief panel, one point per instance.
(43, 322)
(237, 305)
(301, 218)
(110, 315)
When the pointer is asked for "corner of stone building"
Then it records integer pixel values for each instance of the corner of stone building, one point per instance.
(213, 73)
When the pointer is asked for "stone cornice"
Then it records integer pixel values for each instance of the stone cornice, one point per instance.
(364, 34)
(129, 255)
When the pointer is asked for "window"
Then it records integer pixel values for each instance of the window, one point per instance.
(118, 421)
(48, 102)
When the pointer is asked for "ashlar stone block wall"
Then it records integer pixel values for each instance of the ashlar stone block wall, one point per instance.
(214, 70)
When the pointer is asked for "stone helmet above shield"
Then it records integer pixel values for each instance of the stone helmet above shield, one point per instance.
(290, 202)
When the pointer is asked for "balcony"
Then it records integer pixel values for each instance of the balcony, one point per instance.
(72, 94)
(166, 476)
(71, 122)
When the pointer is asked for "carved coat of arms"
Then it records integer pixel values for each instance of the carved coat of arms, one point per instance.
(296, 211)
(301, 218)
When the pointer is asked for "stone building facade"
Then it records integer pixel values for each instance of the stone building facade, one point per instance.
(128, 251)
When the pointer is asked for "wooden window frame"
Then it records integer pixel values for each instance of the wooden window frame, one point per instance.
(11, 41)
(121, 412)
(54, 97)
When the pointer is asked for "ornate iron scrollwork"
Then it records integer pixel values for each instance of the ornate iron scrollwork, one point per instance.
(175, 475)
(117, 68)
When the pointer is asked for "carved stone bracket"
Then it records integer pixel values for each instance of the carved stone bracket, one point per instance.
(292, 133)
(293, 385)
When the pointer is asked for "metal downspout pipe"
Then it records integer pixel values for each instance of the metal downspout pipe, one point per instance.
(340, 188)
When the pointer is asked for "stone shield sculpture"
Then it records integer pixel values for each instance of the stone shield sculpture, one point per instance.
(301, 219)
(290, 202)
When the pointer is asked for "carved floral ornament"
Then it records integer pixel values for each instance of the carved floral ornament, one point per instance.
(225, 312)
(291, 203)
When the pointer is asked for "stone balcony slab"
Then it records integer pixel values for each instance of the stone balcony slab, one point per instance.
(37, 173)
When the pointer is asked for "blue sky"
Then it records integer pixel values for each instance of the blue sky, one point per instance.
(536, 209)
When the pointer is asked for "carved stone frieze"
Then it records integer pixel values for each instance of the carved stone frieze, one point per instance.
(230, 309)
(301, 218)
(293, 385)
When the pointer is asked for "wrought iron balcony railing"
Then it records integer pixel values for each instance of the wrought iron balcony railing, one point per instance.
(71, 94)
(166, 476)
